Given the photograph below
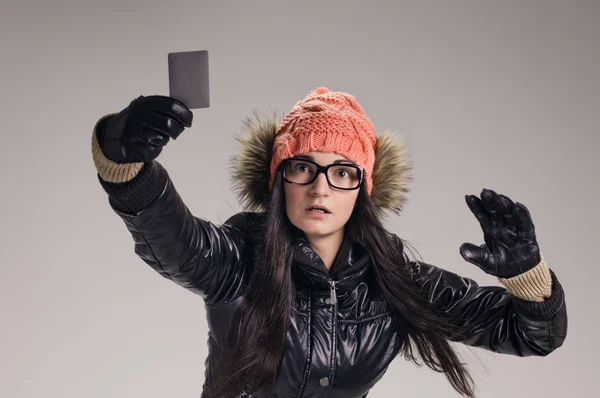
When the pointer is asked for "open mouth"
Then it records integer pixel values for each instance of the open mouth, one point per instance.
(318, 209)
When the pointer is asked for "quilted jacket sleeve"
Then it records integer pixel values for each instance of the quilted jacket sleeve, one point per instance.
(203, 257)
(490, 317)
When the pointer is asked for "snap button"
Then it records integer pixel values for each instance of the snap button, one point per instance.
(328, 300)
(324, 381)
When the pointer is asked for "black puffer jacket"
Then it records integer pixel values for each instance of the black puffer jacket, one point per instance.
(341, 338)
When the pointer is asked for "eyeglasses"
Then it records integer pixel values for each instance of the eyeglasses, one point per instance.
(339, 175)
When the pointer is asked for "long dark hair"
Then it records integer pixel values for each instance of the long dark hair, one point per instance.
(255, 346)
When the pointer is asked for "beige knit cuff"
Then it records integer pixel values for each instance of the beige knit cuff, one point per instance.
(110, 171)
(533, 285)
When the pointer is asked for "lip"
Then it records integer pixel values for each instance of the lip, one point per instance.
(319, 207)
(316, 214)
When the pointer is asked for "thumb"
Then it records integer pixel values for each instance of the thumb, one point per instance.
(478, 255)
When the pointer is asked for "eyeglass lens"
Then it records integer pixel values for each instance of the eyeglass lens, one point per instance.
(339, 175)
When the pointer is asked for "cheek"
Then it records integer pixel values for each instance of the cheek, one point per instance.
(346, 205)
(293, 198)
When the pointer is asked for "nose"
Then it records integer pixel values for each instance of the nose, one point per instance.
(320, 187)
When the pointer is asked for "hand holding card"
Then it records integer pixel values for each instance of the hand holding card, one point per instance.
(188, 78)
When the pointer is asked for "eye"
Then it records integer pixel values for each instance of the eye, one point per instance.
(301, 167)
(343, 173)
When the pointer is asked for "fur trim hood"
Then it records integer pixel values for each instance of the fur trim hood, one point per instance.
(250, 167)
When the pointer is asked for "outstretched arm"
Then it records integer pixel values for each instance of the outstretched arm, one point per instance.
(491, 317)
(528, 315)
(194, 253)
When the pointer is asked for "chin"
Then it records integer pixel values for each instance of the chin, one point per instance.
(316, 232)
(316, 228)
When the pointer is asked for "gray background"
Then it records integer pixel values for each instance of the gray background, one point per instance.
(495, 94)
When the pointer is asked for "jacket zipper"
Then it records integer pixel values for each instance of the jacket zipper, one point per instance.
(333, 293)
(334, 305)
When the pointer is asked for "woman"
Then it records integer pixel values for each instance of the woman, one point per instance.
(306, 293)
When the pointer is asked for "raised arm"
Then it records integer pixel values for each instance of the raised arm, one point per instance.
(527, 315)
(194, 253)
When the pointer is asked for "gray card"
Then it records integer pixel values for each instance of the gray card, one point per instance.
(188, 78)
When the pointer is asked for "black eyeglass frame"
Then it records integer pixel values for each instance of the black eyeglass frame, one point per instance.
(324, 170)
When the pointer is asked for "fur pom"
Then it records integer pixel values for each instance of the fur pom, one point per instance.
(250, 167)
(391, 174)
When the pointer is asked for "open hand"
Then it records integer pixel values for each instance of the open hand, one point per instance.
(510, 245)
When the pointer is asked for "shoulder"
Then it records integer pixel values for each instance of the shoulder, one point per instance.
(245, 223)
(411, 265)
(245, 219)
(418, 269)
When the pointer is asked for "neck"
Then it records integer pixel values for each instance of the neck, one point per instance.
(327, 247)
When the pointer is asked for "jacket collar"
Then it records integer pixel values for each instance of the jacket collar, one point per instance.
(348, 269)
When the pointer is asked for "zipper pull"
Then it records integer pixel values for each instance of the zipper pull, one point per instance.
(332, 291)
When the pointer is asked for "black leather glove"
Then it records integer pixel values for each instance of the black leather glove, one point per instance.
(139, 132)
(510, 245)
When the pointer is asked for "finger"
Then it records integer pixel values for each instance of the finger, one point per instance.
(163, 123)
(146, 135)
(150, 136)
(478, 210)
(506, 207)
(483, 217)
(526, 229)
(506, 201)
(170, 107)
(488, 199)
(478, 256)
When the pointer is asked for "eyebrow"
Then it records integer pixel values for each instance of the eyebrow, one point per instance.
(308, 157)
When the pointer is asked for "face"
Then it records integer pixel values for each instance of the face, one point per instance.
(300, 198)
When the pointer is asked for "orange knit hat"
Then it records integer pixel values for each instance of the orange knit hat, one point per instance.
(326, 121)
